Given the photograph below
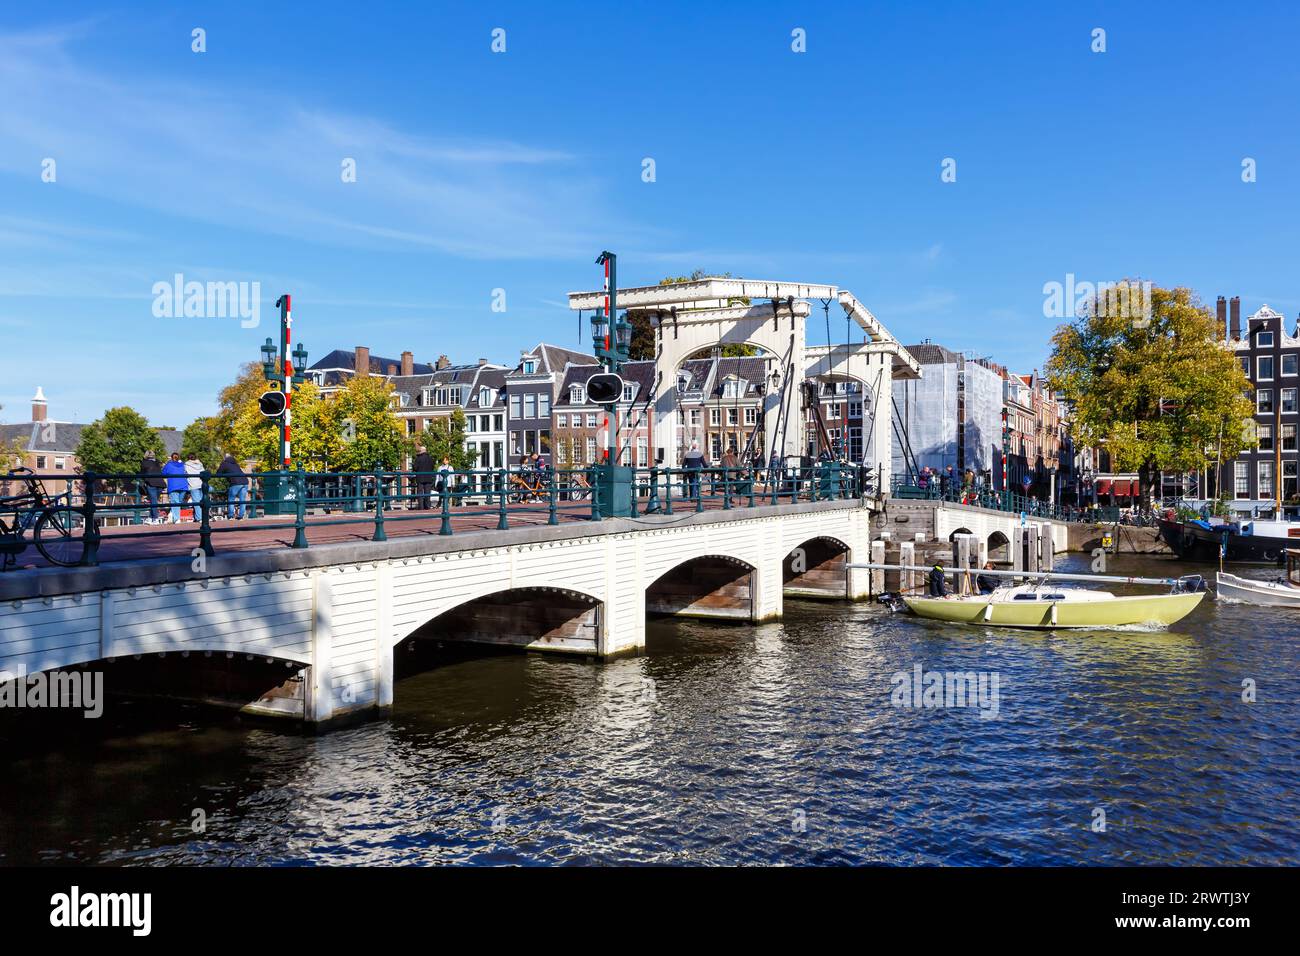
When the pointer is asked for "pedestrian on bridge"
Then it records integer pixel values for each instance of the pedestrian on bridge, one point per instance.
(693, 461)
(237, 487)
(423, 468)
(177, 485)
(194, 468)
(151, 484)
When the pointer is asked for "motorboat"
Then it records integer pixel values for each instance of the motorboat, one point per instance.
(1284, 592)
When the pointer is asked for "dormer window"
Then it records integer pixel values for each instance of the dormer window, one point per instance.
(485, 398)
(577, 394)
(629, 391)
(734, 387)
(426, 396)
(530, 366)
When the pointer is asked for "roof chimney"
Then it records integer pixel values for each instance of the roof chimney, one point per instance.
(392, 369)
(443, 362)
(1234, 310)
(408, 363)
(362, 366)
(1221, 315)
(38, 405)
(482, 362)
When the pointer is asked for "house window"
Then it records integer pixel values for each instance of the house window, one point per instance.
(629, 391)
(733, 388)
(855, 409)
(561, 420)
(1245, 365)
(426, 396)
(530, 405)
(514, 443)
(1290, 364)
(60, 464)
(1241, 479)
(1265, 435)
(591, 449)
(1288, 438)
(484, 397)
(834, 410)
(1265, 340)
(544, 405)
(40, 461)
(751, 416)
(1288, 400)
(577, 395)
(469, 423)
(733, 417)
(485, 423)
(1265, 368)
(410, 426)
(1265, 479)
(1264, 401)
(544, 441)
(715, 416)
(642, 452)
(591, 419)
(530, 442)
(515, 407)
(1289, 479)
(695, 416)
(498, 423)
(715, 445)
(530, 366)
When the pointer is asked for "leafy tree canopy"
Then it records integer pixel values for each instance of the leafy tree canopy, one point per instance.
(643, 338)
(117, 442)
(445, 438)
(1158, 391)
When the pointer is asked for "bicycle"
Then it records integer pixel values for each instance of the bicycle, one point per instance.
(52, 519)
(522, 489)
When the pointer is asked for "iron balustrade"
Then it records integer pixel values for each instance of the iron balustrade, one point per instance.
(379, 498)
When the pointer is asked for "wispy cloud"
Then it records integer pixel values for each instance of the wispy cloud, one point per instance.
(269, 164)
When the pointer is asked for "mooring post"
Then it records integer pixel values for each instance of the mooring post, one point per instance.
(877, 579)
(906, 557)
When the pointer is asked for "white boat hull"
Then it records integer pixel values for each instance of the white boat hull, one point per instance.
(1229, 587)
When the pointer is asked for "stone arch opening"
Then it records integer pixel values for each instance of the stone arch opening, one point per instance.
(999, 548)
(527, 618)
(252, 683)
(817, 569)
(710, 586)
(959, 531)
(721, 400)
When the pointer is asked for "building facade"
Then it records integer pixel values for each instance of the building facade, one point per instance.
(581, 428)
(1262, 480)
(531, 390)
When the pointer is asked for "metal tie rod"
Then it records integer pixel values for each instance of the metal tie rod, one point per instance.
(1108, 578)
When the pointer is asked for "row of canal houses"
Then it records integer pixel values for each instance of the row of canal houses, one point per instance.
(961, 414)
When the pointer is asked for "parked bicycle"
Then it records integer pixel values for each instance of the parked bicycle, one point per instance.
(54, 521)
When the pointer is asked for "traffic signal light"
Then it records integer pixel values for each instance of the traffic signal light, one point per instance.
(605, 388)
(271, 404)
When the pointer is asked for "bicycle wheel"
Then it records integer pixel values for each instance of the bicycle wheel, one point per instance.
(58, 536)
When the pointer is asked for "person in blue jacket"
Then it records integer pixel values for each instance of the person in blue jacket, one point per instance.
(177, 485)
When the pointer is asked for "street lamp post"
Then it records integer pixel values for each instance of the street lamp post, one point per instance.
(284, 369)
(611, 342)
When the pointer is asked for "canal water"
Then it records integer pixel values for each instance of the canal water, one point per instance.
(723, 744)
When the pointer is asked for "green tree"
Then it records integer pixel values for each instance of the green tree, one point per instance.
(445, 438)
(358, 429)
(254, 437)
(200, 440)
(1158, 392)
(642, 347)
(117, 442)
(233, 399)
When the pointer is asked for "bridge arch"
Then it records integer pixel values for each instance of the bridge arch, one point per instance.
(817, 568)
(531, 617)
(709, 585)
(999, 548)
(953, 536)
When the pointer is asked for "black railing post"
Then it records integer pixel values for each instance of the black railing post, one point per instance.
(380, 534)
(668, 487)
(594, 480)
(300, 509)
(90, 533)
(445, 527)
(553, 516)
(503, 523)
(652, 501)
(697, 488)
(753, 480)
(726, 489)
(205, 521)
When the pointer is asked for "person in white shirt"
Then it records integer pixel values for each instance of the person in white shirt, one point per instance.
(192, 469)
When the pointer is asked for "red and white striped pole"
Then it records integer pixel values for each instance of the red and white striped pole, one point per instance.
(286, 423)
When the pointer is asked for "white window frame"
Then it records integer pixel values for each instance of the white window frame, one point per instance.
(1264, 339)
(1259, 368)
(1295, 401)
(577, 394)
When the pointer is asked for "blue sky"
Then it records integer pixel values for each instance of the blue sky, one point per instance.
(478, 170)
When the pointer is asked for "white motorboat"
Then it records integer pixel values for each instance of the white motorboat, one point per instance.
(1229, 587)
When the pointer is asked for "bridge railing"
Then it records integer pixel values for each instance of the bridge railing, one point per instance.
(210, 505)
(1010, 501)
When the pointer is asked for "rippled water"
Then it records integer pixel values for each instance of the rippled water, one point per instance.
(722, 744)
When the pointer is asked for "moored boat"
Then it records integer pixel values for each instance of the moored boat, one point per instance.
(1047, 605)
(1229, 587)
(1250, 542)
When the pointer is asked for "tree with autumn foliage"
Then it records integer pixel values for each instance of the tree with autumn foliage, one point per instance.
(642, 346)
(1159, 390)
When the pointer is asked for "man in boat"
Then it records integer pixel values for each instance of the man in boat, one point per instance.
(938, 585)
(986, 583)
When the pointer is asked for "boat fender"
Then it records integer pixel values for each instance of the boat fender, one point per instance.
(988, 611)
(1053, 612)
